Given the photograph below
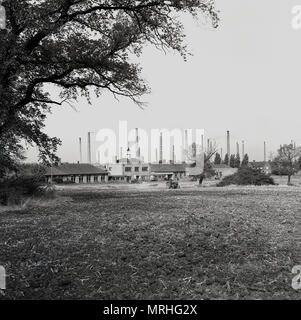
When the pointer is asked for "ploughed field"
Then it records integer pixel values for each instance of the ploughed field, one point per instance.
(199, 243)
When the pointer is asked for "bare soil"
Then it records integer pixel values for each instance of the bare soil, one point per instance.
(146, 242)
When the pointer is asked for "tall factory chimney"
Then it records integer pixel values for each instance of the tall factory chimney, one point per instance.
(243, 148)
(265, 151)
(208, 145)
(89, 148)
(161, 148)
(173, 154)
(237, 148)
(186, 142)
(80, 151)
(137, 144)
(202, 143)
(228, 145)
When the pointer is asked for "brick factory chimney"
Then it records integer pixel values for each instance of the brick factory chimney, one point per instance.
(80, 151)
(186, 142)
(89, 147)
(137, 144)
(173, 154)
(228, 145)
(161, 148)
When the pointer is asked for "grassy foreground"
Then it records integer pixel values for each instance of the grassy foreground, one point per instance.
(206, 243)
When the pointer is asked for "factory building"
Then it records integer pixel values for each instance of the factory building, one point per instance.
(128, 170)
(76, 173)
(164, 171)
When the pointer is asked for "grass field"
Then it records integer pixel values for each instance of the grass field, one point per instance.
(153, 243)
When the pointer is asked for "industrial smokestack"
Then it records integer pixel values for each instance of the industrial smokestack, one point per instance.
(228, 145)
(237, 148)
(89, 147)
(186, 141)
(243, 148)
(208, 145)
(161, 148)
(173, 154)
(137, 144)
(265, 151)
(194, 151)
(80, 151)
(202, 143)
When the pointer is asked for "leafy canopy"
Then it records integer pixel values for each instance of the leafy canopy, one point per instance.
(77, 45)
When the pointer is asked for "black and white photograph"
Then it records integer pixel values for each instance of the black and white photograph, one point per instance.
(150, 150)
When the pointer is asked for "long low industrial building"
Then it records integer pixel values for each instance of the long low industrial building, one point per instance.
(76, 173)
(166, 171)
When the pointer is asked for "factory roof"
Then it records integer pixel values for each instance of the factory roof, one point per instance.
(258, 164)
(221, 166)
(67, 169)
(163, 168)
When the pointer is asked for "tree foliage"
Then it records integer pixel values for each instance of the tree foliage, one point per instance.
(79, 45)
(232, 161)
(247, 176)
(286, 162)
(237, 160)
(226, 159)
(217, 159)
(245, 161)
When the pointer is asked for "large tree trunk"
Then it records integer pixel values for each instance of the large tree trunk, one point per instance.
(289, 179)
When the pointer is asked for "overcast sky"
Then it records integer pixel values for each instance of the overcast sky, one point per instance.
(244, 77)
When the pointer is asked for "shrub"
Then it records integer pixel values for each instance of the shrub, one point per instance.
(247, 176)
(15, 189)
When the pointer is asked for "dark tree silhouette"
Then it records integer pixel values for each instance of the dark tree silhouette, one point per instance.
(217, 159)
(286, 160)
(77, 45)
(245, 161)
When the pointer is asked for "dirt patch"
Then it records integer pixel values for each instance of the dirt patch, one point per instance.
(207, 243)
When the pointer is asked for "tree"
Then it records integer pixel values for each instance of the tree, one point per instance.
(286, 160)
(226, 160)
(232, 161)
(237, 161)
(76, 46)
(208, 169)
(217, 159)
(245, 161)
(299, 163)
(11, 153)
(247, 176)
